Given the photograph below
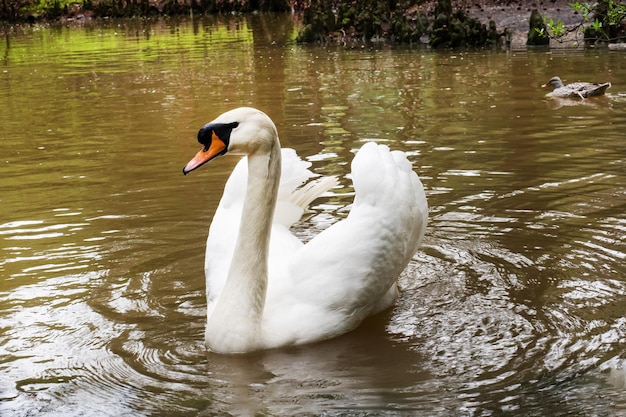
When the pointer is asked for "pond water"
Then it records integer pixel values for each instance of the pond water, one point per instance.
(514, 305)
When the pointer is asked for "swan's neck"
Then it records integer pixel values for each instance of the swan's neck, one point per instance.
(235, 324)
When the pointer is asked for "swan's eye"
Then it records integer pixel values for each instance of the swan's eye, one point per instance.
(221, 130)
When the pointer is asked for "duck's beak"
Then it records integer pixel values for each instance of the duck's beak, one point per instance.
(207, 153)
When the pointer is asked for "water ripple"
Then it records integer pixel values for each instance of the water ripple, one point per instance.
(472, 312)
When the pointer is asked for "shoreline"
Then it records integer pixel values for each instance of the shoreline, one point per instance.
(510, 15)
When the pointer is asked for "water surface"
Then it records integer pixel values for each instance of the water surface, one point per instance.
(515, 304)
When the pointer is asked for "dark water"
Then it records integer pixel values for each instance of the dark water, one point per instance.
(515, 305)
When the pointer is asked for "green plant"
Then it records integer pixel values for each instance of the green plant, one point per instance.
(600, 22)
(554, 29)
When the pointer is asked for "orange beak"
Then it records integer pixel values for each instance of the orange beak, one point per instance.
(207, 153)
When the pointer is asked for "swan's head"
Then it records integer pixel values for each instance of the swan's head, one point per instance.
(242, 131)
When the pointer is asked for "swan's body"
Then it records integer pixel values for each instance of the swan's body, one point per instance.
(267, 292)
(575, 90)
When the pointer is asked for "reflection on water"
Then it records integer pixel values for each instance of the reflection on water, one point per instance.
(515, 305)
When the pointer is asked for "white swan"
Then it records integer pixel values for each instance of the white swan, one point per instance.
(267, 292)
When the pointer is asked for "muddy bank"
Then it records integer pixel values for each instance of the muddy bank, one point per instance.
(514, 15)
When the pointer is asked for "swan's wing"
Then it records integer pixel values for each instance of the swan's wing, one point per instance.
(291, 203)
(293, 199)
(349, 271)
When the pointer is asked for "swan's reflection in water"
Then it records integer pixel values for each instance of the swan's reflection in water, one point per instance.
(359, 371)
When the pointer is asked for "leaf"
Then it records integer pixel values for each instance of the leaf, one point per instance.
(597, 25)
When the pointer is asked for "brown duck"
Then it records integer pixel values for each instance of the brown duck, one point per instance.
(575, 90)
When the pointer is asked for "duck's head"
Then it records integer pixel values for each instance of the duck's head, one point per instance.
(242, 131)
(555, 82)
